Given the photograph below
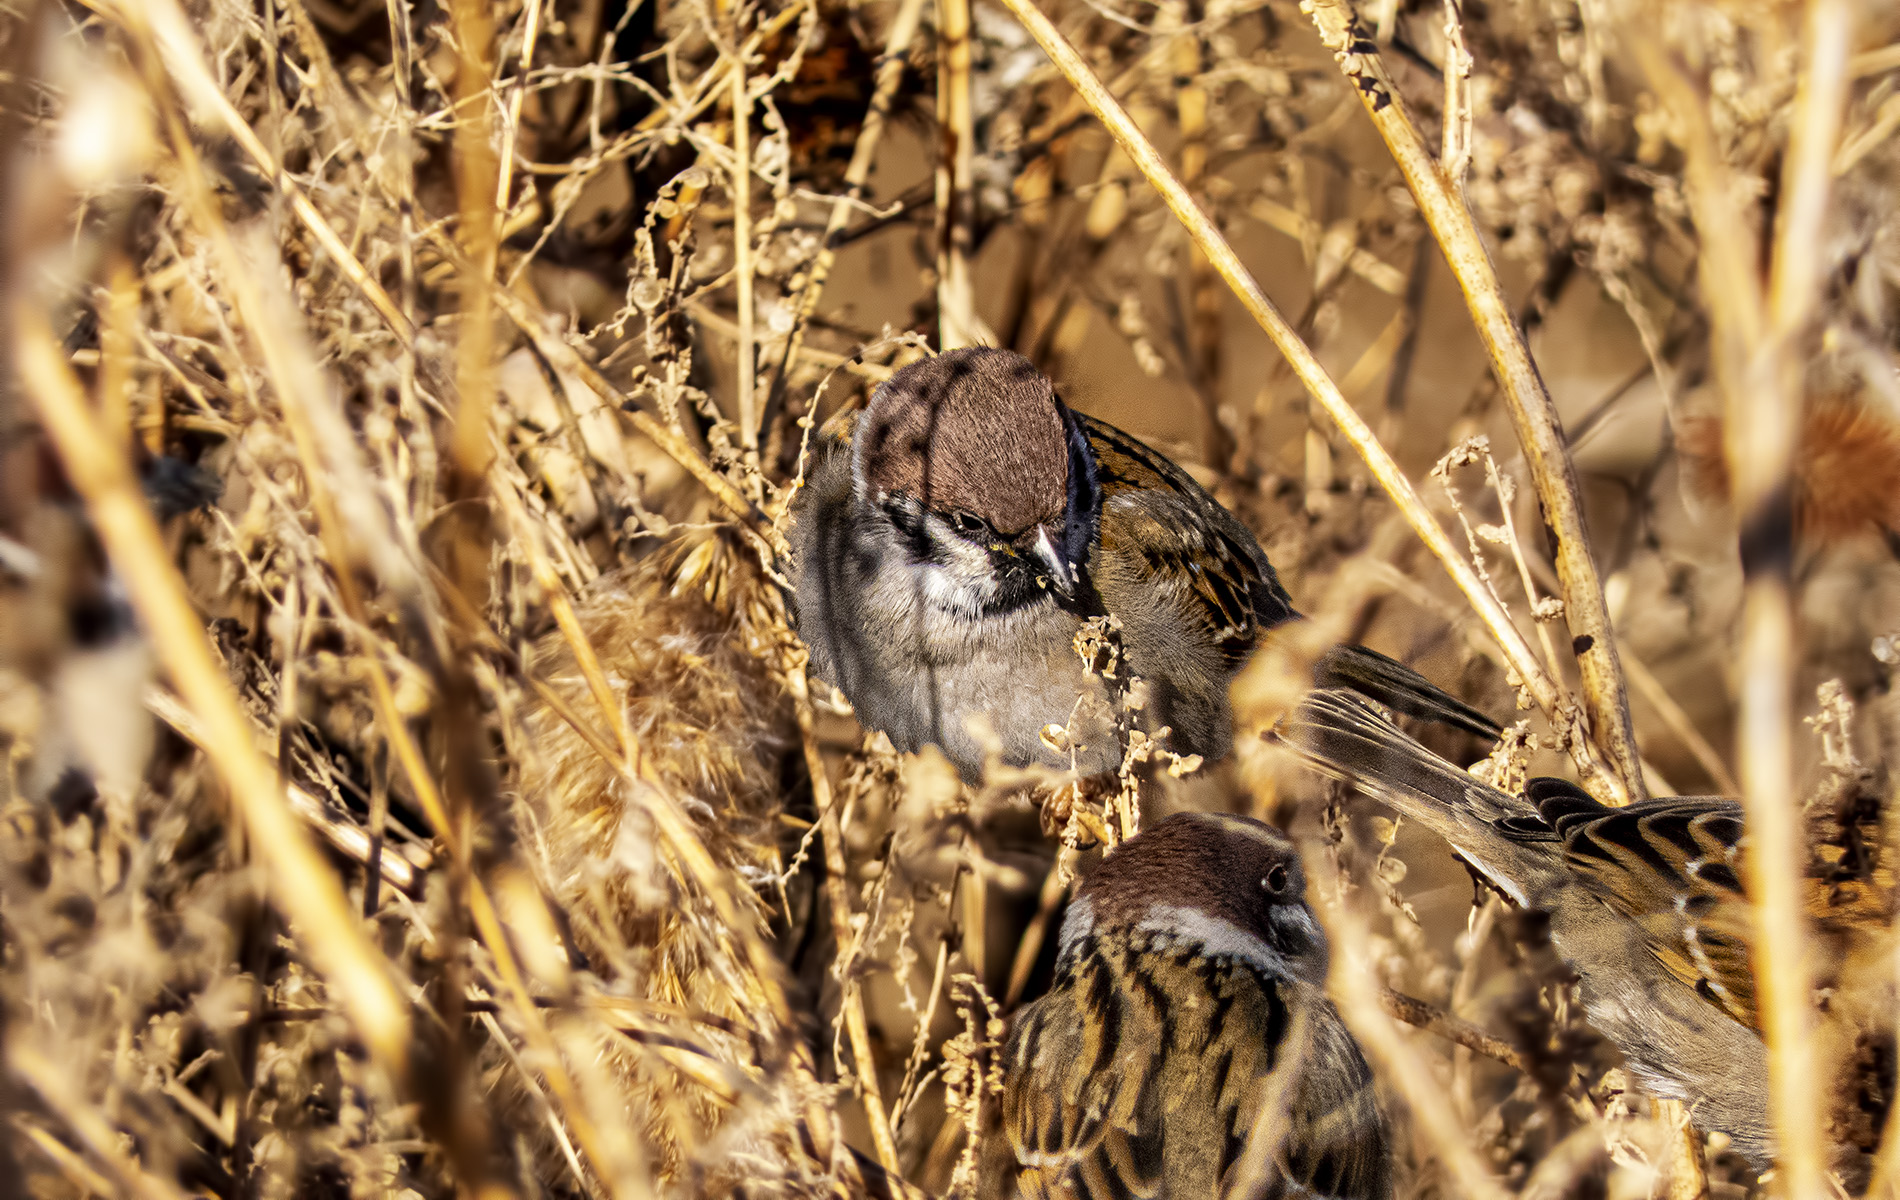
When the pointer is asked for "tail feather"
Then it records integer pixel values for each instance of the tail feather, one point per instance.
(1340, 735)
(1399, 687)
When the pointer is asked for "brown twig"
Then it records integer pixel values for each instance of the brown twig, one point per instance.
(956, 178)
(1543, 690)
(890, 72)
(400, 871)
(741, 187)
(1532, 412)
(516, 94)
(1760, 366)
(1453, 1029)
(838, 896)
(300, 881)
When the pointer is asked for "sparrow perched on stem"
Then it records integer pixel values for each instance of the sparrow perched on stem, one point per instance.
(1645, 901)
(948, 555)
(1186, 1047)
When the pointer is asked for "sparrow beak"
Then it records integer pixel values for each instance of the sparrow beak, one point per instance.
(1061, 575)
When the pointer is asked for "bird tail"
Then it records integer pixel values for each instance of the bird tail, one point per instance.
(1400, 688)
(1339, 734)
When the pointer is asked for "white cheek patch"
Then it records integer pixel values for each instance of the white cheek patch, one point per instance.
(1077, 924)
(964, 585)
(952, 590)
(1213, 937)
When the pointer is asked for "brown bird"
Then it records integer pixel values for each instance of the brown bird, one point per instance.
(948, 555)
(1186, 1047)
(1645, 901)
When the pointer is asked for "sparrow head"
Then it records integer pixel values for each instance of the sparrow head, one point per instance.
(1211, 883)
(971, 455)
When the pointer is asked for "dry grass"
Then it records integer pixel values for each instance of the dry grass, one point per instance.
(414, 786)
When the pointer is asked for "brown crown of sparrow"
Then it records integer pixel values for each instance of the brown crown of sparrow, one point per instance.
(1646, 902)
(948, 555)
(1186, 1047)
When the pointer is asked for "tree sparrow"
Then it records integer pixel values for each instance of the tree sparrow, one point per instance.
(948, 555)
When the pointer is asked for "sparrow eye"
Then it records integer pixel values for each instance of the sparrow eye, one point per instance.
(969, 525)
(1277, 879)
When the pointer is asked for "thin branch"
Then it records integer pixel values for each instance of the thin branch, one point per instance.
(1651, 689)
(890, 72)
(1354, 987)
(184, 59)
(299, 879)
(401, 871)
(741, 184)
(838, 896)
(956, 178)
(1761, 369)
(516, 93)
(1605, 693)
(1543, 690)
(1455, 1030)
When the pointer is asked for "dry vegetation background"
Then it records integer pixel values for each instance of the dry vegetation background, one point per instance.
(431, 800)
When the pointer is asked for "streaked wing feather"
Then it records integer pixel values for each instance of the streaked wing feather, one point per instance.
(1673, 867)
(1116, 1091)
(1213, 564)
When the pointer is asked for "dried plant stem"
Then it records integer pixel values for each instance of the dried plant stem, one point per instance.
(694, 860)
(608, 1157)
(1453, 1029)
(475, 175)
(1544, 691)
(296, 384)
(397, 870)
(742, 243)
(52, 1083)
(1055, 886)
(890, 72)
(956, 177)
(1759, 363)
(838, 895)
(163, 22)
(1605, 693)
(1306, 231)
(1455, 157)
(565, 618)
(1353, 984)
(70, 1162)
(1651, 689)
(530, 320)
(719, 75)
(505, 176)
(296, 379)
(184, 59)
(464, 552)
(1763, 413)
(301, 882)
(831, 360)
(1203, 351)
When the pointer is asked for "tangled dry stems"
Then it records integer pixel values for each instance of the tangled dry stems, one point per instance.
(467, 355)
